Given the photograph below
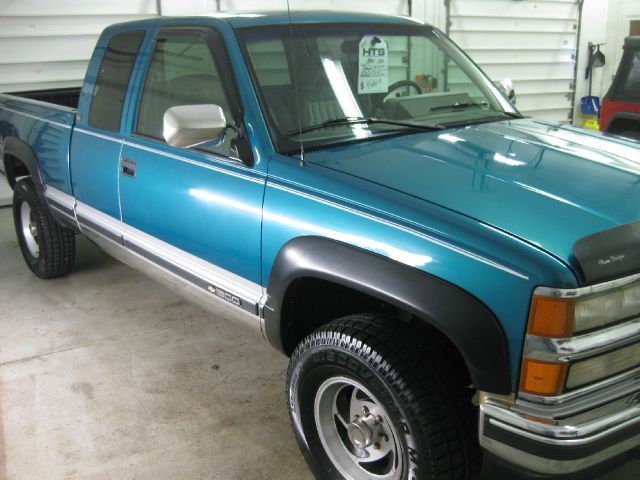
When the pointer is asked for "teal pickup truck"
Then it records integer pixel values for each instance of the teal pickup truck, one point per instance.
(458, 287)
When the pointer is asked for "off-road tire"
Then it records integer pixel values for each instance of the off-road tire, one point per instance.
(422, 383)
(56, 245)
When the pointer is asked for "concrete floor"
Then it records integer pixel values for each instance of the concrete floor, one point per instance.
(6, 193)
(106, 375)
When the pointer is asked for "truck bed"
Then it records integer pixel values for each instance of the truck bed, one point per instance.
(65, 97)
(42, 127)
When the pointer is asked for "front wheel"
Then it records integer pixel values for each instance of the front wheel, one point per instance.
(48, 248)
(367, 401)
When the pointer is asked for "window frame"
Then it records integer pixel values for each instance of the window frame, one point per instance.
(222, 63)
(128, 84)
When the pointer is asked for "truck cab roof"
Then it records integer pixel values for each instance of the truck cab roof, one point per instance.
(239, 20)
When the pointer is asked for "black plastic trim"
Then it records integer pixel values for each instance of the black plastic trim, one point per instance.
(63, 216)
(63, 208)
(609, 254)
(633, 116)
(21, 150)
(466, 321)
(85, 222)
(194, 279)
(562, 452)
(495, 468)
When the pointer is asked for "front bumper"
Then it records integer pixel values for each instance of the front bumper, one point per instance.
(568, 435)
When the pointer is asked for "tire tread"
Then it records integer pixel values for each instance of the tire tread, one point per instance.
(428, 385)
(57, 244)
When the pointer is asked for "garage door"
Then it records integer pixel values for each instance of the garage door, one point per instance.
(532, 42)
(48, 44)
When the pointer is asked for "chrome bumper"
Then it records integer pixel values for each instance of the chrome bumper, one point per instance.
(568, 434)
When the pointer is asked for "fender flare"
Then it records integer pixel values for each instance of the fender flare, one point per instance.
(22, 151)
(481, 342)
(624, 115)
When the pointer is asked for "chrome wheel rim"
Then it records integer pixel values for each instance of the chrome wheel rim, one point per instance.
(29, 230)
(356, 432)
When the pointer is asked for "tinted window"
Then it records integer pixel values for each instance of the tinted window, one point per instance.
(631, 86)
(182, 71)
(397, 75)
(113, 78)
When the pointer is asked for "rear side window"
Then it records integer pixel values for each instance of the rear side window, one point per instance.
(113, 79)
(631, 87)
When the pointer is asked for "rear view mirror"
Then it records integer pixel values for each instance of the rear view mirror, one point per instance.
(506, 87)
(187, 126)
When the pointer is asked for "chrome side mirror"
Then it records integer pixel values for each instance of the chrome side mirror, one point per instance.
(506, 87)
(187, 126)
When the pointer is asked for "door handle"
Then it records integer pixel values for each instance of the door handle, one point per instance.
(128, 168)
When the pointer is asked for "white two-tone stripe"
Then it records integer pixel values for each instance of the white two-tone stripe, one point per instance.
(402, 228)
(35, 117)
(107, 226)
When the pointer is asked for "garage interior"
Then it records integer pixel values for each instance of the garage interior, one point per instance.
(104, 373)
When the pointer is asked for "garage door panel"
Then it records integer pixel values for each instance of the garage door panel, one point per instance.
(542, 101)
(23, 87)
(372, 6)
(518, 56)
(58, 49)
(498, 40)
(64, 7)
(555, 9)
(542, 86)
(551, 115)
(33, 73)
(37, 26)
(530, 71)
(533, 43)
(514, 25)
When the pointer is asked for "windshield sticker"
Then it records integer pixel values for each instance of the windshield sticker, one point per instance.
(373, 68)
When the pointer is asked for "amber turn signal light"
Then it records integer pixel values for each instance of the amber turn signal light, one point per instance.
(542, 378)
(552, 317)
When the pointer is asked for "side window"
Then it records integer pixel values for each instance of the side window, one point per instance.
(182, 71)
(632, 85)
(113, 79)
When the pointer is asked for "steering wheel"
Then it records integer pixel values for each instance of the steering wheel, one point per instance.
(404, 83)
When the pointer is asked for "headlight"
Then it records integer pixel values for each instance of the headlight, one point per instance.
(600, 310)
(563, 317)
(603, 366)
(571, 340)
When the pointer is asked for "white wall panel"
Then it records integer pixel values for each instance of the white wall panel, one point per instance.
(47, 8)
(393, 7)
(46, 49)
(533, 42)
(527, 9)
(47, 43)
(72, 25)
(34, 73)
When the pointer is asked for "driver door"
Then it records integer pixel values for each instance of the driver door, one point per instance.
(194, 212)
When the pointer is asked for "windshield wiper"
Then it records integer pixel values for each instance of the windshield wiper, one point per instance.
(457, 105)
(366, 120)
(476, 104)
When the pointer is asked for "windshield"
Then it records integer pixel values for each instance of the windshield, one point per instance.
(362, 81)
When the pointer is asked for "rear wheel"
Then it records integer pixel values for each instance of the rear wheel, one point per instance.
(48, 248)
(369, 401)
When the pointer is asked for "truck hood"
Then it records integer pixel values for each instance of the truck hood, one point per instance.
(544, 183)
